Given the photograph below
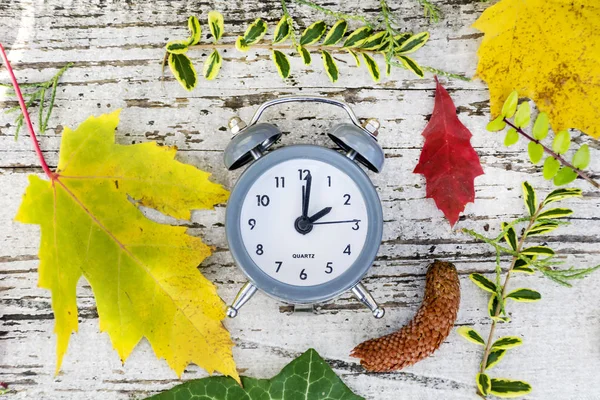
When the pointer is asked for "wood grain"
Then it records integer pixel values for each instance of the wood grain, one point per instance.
(117, 49)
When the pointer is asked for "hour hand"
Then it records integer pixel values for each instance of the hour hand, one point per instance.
(319, 214)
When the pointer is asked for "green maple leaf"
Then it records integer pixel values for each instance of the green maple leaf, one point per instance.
(143, 274)
(307, 377)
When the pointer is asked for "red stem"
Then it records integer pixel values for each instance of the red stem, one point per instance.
(557, 156)
(36, 145)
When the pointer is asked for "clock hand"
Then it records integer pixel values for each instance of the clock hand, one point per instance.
(306, 198)
(335, 222)
(319, 215)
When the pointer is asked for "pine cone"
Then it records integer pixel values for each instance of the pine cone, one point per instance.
(427, 330)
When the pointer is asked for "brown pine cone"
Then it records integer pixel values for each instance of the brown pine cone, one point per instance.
(427, 330)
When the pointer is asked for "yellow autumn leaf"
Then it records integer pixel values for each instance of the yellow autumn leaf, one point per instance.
(549, 51)
(143, 274)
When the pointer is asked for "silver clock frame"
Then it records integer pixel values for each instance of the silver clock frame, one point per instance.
(360, 146)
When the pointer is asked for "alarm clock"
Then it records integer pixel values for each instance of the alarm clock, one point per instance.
(304, 222)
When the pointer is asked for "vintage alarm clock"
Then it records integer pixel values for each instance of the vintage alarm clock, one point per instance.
(304, 222)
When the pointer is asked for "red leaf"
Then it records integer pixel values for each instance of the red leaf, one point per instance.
(448, 161)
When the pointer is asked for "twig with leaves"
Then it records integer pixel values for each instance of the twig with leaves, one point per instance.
(364, 42)
(541, 258)
(556, 166)
(44, 93)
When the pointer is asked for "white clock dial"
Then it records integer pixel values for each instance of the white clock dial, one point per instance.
(274, 203)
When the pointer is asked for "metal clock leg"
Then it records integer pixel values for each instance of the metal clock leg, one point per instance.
(245, 294)
(363, 295)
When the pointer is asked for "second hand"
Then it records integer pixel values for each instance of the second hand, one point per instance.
(336, 222)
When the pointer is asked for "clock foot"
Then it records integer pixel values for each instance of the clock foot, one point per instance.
(363, 295)
(245, 294)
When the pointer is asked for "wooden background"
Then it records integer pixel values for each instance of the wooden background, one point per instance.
(117, 49)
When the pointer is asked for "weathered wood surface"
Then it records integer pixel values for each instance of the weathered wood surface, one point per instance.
(117, 48)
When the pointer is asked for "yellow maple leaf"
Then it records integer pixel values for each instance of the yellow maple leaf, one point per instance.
(549, 51)
(143, 274)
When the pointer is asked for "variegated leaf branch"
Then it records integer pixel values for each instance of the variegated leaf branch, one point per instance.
(43, 94)
(556, 166)
(362, 42)
(540, 221)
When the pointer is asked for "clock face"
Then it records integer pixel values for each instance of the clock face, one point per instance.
(311, 249)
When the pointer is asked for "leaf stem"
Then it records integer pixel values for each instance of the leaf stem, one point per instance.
(499, 307)
(36, 145)
(557, 156)
(336, 14)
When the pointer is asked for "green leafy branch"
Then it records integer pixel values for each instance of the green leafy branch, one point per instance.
(556, 167)
(540, 221)
(364, 42)
(43, 93)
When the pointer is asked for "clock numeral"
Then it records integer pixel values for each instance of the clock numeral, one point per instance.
(303, 275)
(279, 263)
(259, 249)
(303, 174)
(356, 227)
(262, 200)
(347, 197)
(329, 268)
(279, 180)
(252, 223)
(329, 181)
(347, 250)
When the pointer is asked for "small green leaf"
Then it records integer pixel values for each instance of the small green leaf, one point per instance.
(507, 342)
(255, 32)
(542, 228)
(512, 137)
(282, 30)
(538, 251)
(492, 306)
(336, 33)
(565, 176)
(530, 198)
(313, 33)
(357, 37)
(541, 126)
(330, 66)
(471, 335)
(195, 30)
(356, 59)
(281, 62)
(177, 46)
(372, 67)
(306, 58)
(411, 65)
(483, 383)
(561, 194)
(483, 282)
(212, 65)
(524, 295)
(388, 68)
(241, 45)
(414, 43)
(508, 388)
(555, 213)
(510, 236)
(581, 159)
(374, 41)
(551, 167)
(215, 22)
(523, 115)
(183, 70)
(496, 125)
(510, 104)
(535, 151)
(494, 358)
(523, 268)
(562, 142)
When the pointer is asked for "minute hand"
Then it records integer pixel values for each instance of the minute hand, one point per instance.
(336, 222)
